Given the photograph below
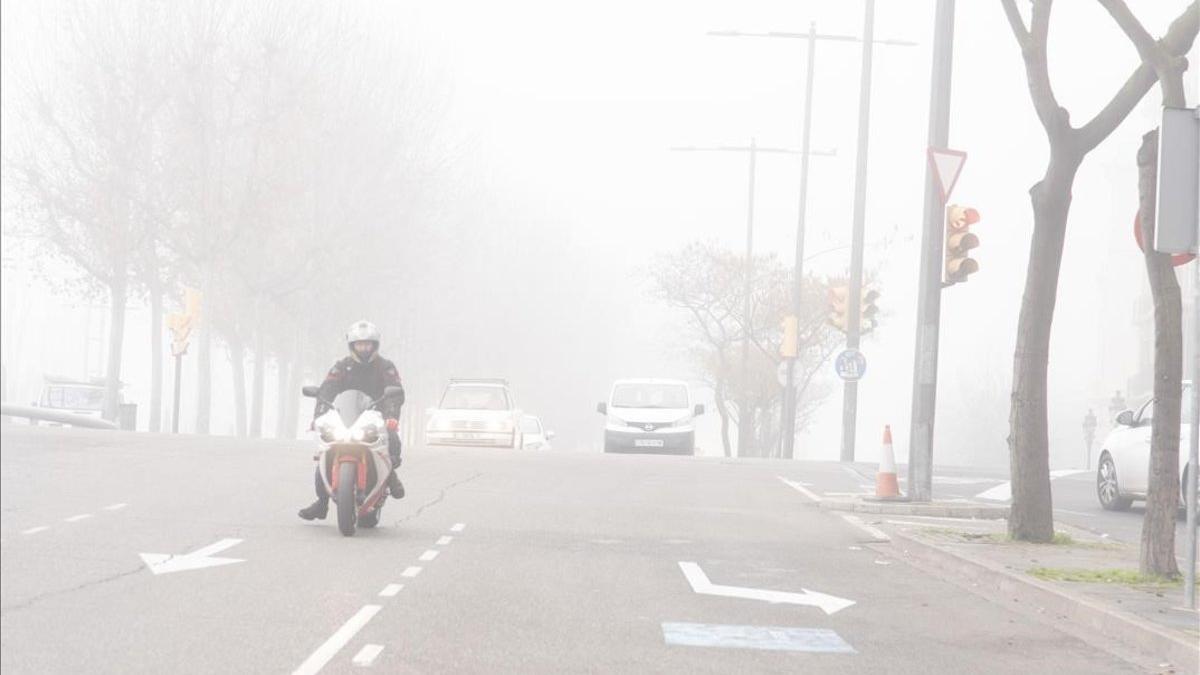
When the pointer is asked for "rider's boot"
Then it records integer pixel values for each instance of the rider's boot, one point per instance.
(317, 510)
(395, 487)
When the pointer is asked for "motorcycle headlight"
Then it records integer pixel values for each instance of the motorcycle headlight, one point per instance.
(329, 431)
(365, 434)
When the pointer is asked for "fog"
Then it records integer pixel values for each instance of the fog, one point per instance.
(534, 193)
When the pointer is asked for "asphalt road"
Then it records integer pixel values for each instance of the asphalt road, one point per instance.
(495, 562)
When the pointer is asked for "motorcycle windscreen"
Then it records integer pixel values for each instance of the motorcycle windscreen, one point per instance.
(350, 404)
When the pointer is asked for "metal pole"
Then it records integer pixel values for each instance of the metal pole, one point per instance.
(853, 303)
(924, 396)
(746, 417)
(175, 403)
(789, 394)
(1189, 582)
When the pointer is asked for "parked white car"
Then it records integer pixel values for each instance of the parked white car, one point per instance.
(1122, 475)
(534, 436)
(650, 415)
(475, 412)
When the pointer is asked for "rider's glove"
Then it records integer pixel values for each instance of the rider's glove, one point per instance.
(393, 424)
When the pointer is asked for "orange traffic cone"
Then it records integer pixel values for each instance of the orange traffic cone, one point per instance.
(885, 480)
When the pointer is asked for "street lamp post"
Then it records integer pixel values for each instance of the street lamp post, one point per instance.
(752, 151)
(852, 337)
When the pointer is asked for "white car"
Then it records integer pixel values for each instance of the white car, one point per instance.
(534, 436)
(1123, 472)
(475, 412)
(650, 415)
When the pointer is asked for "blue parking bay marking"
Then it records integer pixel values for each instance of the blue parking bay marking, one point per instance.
(755, 637)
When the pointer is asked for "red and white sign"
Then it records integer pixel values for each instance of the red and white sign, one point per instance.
(1177, 259)
(947, 165)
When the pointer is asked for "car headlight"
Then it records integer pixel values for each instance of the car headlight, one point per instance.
(500, 425)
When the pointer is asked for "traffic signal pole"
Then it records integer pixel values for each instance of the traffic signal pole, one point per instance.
(924, 392)
(854, 301)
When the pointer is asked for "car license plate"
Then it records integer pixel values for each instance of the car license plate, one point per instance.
(466, 435)
(648, 443)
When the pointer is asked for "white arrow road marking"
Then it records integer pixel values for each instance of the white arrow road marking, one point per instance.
(165, 563)
(700, 584)
(317, 660)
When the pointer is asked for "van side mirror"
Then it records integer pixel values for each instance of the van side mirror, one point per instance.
(602, 408)
(1125, 418)
(699, 409)
(310, 391)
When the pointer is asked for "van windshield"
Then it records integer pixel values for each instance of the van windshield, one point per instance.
(650, 396)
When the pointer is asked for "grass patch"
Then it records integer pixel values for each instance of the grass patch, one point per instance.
(1101, 576)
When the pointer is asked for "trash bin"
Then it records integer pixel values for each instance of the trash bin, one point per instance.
(127, 416)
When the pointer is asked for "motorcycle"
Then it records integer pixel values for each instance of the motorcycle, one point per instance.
(353, 458)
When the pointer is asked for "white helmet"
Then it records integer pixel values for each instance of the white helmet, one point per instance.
(363, 331)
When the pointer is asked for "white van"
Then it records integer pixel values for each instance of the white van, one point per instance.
(650, 415)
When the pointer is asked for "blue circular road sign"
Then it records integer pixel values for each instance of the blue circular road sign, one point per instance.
(850, 365)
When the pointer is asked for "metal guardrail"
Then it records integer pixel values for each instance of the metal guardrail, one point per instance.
(50, 415)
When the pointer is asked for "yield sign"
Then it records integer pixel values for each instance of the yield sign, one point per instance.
(947, 164)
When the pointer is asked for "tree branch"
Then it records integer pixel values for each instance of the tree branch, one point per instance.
(1016, 22)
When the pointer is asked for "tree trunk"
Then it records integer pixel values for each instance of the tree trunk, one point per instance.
(256, 394)
(1158, 525)
(719, 401)
(282, 378)
(156, 358)
(1032, 517)
(204, 378)
(291, 395)
(237, 359)
(118, 290)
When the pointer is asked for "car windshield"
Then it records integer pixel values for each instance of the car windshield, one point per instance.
(650, 396)
(75, 398)
(475, 397)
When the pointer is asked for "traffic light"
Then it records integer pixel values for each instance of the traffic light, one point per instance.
(790, 346)
(838, 301)
(959, 241)
(868, 311)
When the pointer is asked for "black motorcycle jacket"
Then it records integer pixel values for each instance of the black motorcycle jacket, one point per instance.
(370, 377)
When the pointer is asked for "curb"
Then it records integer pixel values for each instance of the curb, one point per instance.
(944, 510)
(1086, 619)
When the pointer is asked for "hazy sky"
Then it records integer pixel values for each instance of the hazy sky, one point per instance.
(562, 114)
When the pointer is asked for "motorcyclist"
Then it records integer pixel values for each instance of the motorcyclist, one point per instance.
(366, 371)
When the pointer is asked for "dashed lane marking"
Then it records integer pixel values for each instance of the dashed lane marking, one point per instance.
(75, 519)
(390, 590)
(428, 555)
(314, 663)
(410, 572)
(458, 527)
(445, 540)
(115, 507)
(366, 656)
(800, 488)
(35, 530)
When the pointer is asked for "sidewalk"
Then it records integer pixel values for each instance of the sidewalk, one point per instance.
(1083, 584)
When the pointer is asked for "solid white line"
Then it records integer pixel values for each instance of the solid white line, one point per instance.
(1075, 513)
(428, 555)
(366, 656)
(390, 590)
(35, 530)
(74, 519)
(115, 507)
(800, 488)
(410, 572)
(334, 644)
(870, 530)
(445, 540)
(458, 527)
(846, 494)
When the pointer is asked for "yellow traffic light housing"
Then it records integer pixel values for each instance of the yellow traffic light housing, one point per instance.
(959, 242)
(789, 348)
(839, 297)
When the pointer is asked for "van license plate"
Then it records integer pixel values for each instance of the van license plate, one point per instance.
(647, 443)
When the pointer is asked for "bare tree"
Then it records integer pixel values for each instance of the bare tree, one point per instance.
(705, 282)
(1032, 516)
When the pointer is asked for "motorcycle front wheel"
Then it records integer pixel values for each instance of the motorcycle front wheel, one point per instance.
(347, 507)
